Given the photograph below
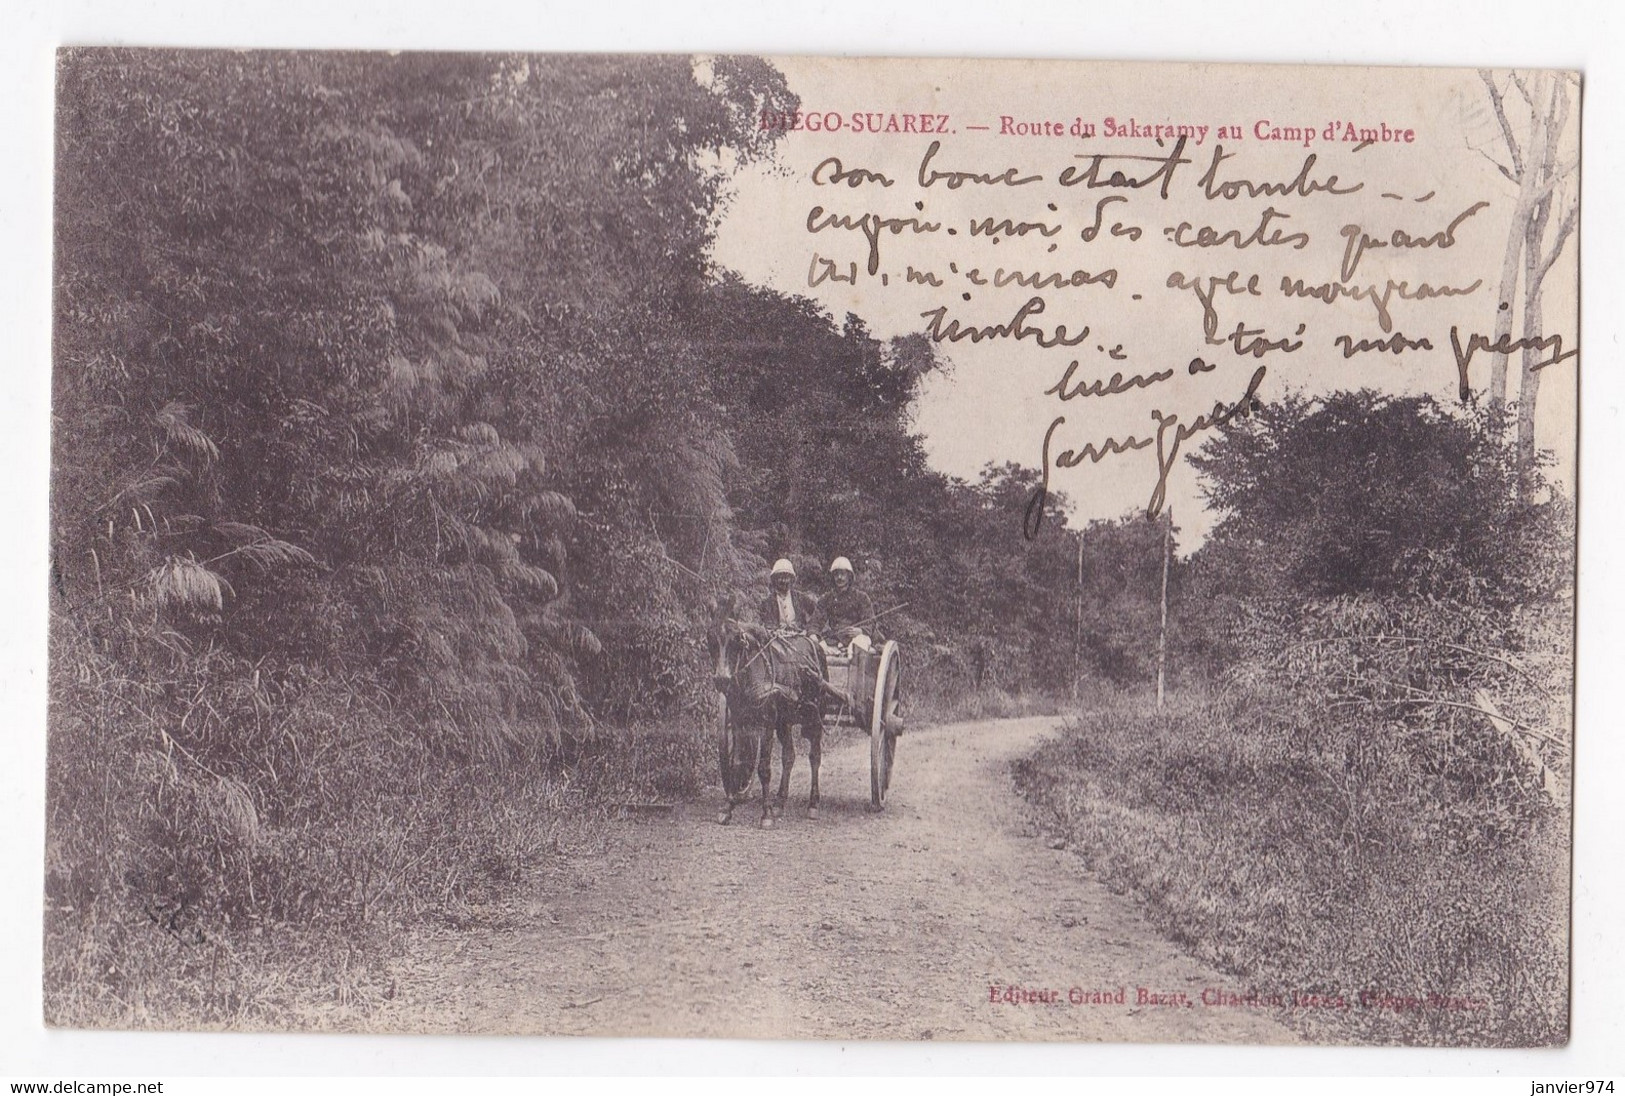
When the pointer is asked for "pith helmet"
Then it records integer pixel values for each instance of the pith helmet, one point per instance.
(784, 567)
(841, 564)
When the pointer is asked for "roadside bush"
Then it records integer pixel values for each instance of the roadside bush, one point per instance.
(1306, 858)
(1364, 786)
(235, 844)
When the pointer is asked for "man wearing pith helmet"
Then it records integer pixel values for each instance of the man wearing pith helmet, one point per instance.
(848, 614)
(785, 606)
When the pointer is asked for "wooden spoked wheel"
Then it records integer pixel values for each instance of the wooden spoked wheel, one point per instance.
(882, 726)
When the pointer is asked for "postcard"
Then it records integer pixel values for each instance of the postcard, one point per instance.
(812, 548)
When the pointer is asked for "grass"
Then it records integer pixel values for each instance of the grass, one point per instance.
(1294, 865)
(652, 762)
(938, 689)
(239, 847)
(967, 706)
(296, 930)
(235, 845)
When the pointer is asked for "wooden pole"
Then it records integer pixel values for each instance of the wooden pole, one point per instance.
(1162, 631)
(1077, 633)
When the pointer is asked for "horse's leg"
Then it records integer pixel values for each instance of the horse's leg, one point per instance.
(815, 754)
(787, 759)
(735, 763)
(730, 798)
(764, 768)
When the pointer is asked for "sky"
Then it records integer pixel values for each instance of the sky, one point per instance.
(991, 405)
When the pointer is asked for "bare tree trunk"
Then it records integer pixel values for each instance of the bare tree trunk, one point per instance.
(1537, 167)
(1523, 171)
(1508, 293)
(1536, 264)
(1529, 383)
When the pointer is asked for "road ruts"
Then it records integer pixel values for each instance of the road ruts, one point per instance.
(853, 926)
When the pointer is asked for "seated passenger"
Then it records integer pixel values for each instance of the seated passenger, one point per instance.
(786, 607)
(846, 615)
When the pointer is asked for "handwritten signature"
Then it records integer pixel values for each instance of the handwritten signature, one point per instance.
(1170, 435)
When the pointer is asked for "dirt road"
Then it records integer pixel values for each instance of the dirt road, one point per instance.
(899, 925)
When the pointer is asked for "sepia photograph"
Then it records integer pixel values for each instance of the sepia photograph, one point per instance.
(811, 548)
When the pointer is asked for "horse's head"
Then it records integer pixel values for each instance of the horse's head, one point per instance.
(730, 643)
(724, 639)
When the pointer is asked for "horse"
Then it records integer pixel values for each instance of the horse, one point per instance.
(772, 681)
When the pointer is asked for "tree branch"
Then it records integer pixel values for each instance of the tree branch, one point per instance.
(1560, 92)
(1433, 701)
(1564, 229)
(1418, 641)
(1499, 166)
(1523, 89)
(1556, 176)
(1539, 215)
(1506, 126)
(1571, 211)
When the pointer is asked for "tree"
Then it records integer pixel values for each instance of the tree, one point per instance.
(355, 316)
(1368, 499)
(1359, 492)
(1122, 587)
(1544, 168)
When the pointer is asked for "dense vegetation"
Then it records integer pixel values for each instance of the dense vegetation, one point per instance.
(1362, 787)
(402, 435)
